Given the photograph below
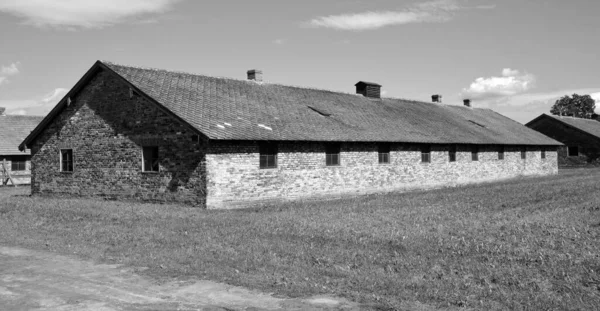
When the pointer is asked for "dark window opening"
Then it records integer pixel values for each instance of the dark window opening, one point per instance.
(332, 154)
(501, 153)
(150, 159)
(426, 154)
(452, 154)
(543, 153)
(66, 160)
(523, 153)
(195, 138)
(18, 163)
(384, 153)
(475, 153)
(268, 155)
(573, 151)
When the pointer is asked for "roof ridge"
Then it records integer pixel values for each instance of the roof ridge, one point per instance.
(572, 117)
(278, 84)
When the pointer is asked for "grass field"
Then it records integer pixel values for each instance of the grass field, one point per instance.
(523, 244)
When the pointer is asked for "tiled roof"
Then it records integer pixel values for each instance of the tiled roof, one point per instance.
(13, 129)
(230, 109)
(587, 125)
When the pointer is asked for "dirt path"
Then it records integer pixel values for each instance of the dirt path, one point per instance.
(35, 280)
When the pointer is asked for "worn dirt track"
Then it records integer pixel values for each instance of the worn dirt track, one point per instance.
(36, 280)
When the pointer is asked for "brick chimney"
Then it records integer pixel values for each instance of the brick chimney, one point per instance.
(467, 102)
(2, 109)
(436, 98)
(368, 89)
(255, 75)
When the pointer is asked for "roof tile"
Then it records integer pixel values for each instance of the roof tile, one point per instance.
(13, 129)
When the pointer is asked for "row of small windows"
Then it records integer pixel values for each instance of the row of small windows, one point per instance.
(426, 153)
(268, 154)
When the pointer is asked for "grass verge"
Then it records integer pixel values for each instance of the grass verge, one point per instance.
(523, 244)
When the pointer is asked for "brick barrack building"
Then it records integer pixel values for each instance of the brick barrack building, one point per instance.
(581, 138)
(13, 129)
(149, 134)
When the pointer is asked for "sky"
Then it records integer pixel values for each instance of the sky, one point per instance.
(515, 57)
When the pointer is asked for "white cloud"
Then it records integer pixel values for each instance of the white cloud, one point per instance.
(511, 82)
(10, 70)
(54, 96)
(279, 41)
(596, 97)
(427, 12)
(82, 13)
(40, 105)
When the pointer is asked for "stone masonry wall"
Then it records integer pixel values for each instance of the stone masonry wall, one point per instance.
(107, 128)
(235, 179)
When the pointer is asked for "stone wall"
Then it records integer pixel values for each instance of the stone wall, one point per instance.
(235, 179)
(19, 177)
(106, 128)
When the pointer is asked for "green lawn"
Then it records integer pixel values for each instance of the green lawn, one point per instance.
(524, 244)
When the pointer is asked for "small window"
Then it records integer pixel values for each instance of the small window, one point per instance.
(543, 153)
(475, 153)
(426, 154)
(573, 151)
(66, 160)
(268, 155)
(384, 153)
(18, 163)
(501, 153)
(452, 154)
(523, 153)
(332, 154)
(150, 159)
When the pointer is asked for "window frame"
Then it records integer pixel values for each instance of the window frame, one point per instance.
(452, 154)
(474, 153)
(21, 165)
(383, 153)
(269, 152)
(333, 152)
(501, 151)
(543, 153)
(426, 154)
(569, 151)
(70, 164)
(524, 153)
(155, 168)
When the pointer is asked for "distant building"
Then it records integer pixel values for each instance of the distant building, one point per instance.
(13, 129)
(581, 138)
(129, 132)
